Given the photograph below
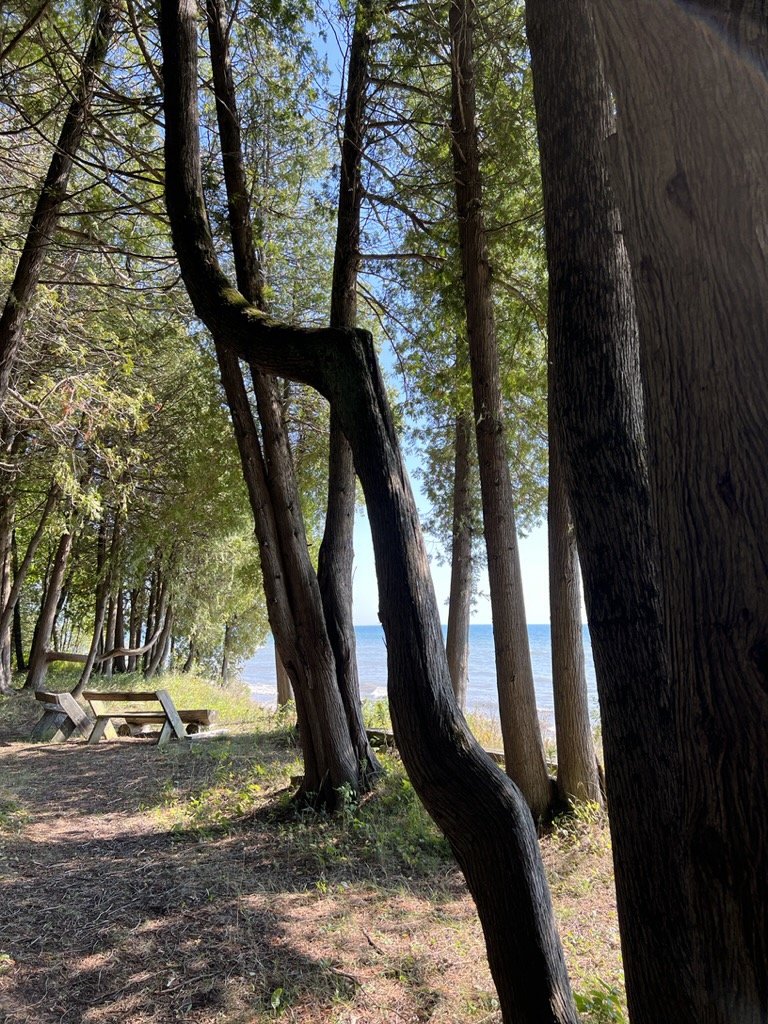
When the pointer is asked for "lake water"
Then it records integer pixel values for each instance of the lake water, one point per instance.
(259, 671)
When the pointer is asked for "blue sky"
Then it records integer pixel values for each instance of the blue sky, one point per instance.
(534, 566)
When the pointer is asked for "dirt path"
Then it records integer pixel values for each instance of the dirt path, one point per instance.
(107, 914)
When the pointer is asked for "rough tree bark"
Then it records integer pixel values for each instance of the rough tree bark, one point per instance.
(460, 598)
(577, 774)
(337, 551)
(518, 715)
(284, 688)
(294, 601)
(689, 165)
(481, 811)
(52, 196)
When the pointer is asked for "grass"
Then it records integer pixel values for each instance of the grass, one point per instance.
(219, 901)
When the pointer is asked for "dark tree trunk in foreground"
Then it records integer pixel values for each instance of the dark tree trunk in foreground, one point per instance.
(52, 196)
(337, 551)
(577, 774)
(293, 595)
(518, 714)
(481, 811)
(460, 600)
(690, 158)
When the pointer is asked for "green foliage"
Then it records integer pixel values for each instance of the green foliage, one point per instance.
(601, 1005)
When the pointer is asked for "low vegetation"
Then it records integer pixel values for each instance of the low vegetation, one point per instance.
(183, 885)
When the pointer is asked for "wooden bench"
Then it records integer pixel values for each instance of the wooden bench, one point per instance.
(137, 722)
(62, 716)
(167, 715)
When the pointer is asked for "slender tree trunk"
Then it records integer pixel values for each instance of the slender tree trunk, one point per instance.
(577, 773)
(481, 811)
(336, 559)
(293, 597)
(119, 662)
(38, 661)
(689, 164)
(52, 196)
(20, 572)
(191, 656)
(152, 617)
(225, 655)
(134, 626)
(18, 642)
(598, 396)
(284, 688)
(161, 648)
(462, 580)
(523, 744)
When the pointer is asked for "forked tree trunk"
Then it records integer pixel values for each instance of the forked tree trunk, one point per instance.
(294, 601)
(690, 158)
(481, 811)
(594, 354)
(100, 609)
(52, 196)
(577, 773)
(518, 714)
(462, 580)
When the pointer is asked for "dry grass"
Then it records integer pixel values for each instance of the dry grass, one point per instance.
(147, 886)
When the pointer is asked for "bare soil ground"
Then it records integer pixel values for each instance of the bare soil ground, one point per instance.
(148, 886)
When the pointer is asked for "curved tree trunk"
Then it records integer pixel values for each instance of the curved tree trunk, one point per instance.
(462, 581)
(481, 811)
(518, 714)
(577, 773)
(690, 158)
(52, 196)
(294, 602)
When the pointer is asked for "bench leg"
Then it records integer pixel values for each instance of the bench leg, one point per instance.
(98, 730)
(165, 734)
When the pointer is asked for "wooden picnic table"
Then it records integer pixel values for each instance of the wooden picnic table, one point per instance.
(166, 715)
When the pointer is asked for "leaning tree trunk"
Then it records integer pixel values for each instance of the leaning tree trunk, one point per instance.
(577, 772)
(518, 714)
(481, 811)
(38, 659)
(337, 551)
(690, 158)
(462, 579)
(52, 196)
(294, 602)
(595, 374)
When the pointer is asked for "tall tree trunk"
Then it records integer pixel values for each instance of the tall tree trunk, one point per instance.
(689, 164)
(119, 662)
(134, 626)
(191, 656)
(160, 650)
(293, 596)
(577, 774)
(225, 654)
(52, 196)
(594, 354)
(336, 559)
(18, 642)
(20, 572)
(38, 660)
(521, 730)
(480, 810)
(462, 580)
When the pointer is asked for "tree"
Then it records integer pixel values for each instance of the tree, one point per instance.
(52, 196)
(689, 152)
(523, 744)
(481, 811)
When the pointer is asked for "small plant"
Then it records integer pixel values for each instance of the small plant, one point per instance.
(601, 1004)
